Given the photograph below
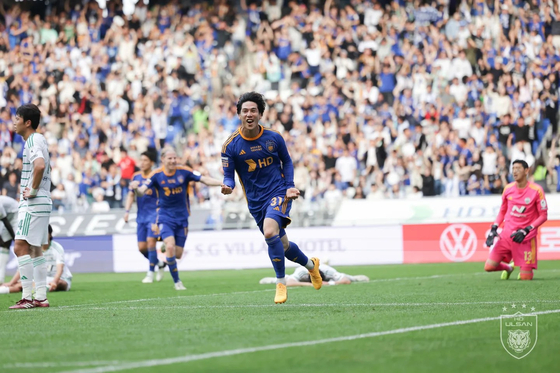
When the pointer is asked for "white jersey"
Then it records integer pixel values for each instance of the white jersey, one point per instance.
(55, 255)
(36, 147)
(301, 274)
(8, 208)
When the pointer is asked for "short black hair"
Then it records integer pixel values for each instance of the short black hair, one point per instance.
(30, 112)
(255, 97)
(522, 163)
(150, 155)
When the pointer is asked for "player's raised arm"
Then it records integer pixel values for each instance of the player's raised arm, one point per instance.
(210, 181)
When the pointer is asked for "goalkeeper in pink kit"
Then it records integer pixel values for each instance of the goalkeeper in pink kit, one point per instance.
(523, 210)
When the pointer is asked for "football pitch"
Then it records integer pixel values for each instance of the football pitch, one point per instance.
(409, 318)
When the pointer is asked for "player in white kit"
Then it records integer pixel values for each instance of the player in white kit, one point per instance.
(8, 224)
(330, 276)
(34, 209)
(59, 277)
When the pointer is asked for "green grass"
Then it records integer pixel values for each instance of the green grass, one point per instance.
(113, 319)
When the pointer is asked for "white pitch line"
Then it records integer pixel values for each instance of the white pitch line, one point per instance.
(304, 305)
(211, 355)
(60, 364)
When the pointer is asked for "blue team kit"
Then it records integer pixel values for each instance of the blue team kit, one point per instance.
(174, 206)
(265, 170)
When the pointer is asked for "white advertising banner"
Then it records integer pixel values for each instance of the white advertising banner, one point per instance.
(427, 210)
(240, 249)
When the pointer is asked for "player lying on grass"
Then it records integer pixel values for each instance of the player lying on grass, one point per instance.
(146, 218)
(8, 221)
(260, 157)
(523, 211)
(329, 275)
(59, 277)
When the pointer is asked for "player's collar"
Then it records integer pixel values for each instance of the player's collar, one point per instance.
(168, 174)
(252, 138)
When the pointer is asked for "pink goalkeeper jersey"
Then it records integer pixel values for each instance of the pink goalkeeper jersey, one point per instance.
(521, 208)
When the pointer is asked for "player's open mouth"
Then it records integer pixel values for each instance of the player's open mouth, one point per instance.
(249, 121)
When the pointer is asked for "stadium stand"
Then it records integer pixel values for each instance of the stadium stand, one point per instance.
(376, 99)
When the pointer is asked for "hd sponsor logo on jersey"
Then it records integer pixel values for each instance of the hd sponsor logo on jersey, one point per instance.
(458, 242)
(518, 333)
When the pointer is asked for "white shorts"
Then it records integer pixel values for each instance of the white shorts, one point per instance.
(4, 234)
(33, 229)
(68, 281)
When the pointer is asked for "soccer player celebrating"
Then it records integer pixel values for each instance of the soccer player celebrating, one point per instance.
(34, 209)
(146, 218)
(266, 172)
(8, 220)
(171, 182)
(523, 210)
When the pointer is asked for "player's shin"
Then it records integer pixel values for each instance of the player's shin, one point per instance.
(172, 265)
(26, 272)
(153, 258)
(276, 254)
(40, 277)
(4, 257)
(296, 255)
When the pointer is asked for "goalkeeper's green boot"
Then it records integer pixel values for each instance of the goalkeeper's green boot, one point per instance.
(506, 274)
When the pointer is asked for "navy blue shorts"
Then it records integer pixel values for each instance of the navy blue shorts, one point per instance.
(176, 229)
(279, 210)
(143, 231)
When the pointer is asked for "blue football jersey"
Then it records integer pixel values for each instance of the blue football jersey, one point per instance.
(262, 163)
(173, 194)
(147, 204)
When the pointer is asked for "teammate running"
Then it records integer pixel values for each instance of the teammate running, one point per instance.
(171, 182)
(523, 211)
(146, 219)
(34, 209)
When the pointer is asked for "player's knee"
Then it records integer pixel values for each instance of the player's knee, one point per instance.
(270, 232)
(525, 273)
(21, 248)
(489, 267)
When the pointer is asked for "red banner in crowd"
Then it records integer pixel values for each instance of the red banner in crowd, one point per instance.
(465, 242)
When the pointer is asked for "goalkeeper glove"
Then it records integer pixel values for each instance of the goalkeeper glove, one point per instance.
(493, 234)
(519, 235)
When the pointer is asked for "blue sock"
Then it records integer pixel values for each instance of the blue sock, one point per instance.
(172, 264)
(145, 253)
(276, 254)
(296, 255)
(152, 256)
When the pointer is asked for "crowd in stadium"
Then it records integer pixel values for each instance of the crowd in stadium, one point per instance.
(376, 99)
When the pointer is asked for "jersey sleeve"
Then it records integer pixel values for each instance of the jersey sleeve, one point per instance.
(287, 165)
(58, 253)
(503, 210)
(542, 208)
(192, 176)
(3, 212)
(152, 181)
(228, 166)
(35, 150)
